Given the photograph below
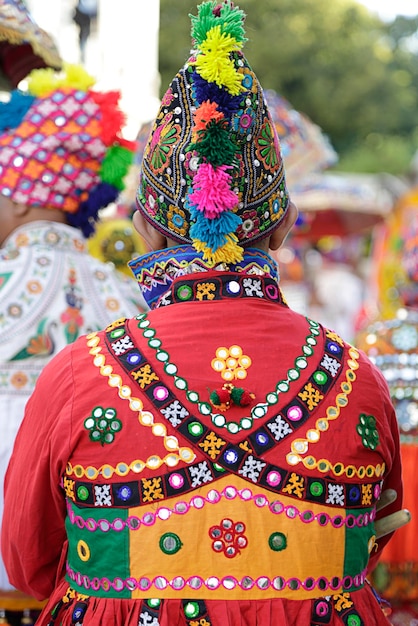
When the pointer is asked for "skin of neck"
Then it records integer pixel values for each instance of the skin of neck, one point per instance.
(156, 241)
(13, 215)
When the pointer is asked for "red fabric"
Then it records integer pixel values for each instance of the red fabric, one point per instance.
(52, 434)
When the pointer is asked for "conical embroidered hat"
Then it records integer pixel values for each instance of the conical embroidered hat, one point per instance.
(212, 171)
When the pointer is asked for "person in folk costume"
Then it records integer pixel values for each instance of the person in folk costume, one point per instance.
(390, 340)
(220, 458)
(62, 159)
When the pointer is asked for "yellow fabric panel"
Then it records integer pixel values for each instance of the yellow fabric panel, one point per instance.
(303, 556)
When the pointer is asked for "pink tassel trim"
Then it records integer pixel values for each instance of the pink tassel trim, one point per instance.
(212, 194)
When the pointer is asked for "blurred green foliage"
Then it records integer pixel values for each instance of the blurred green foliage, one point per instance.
(351, 73)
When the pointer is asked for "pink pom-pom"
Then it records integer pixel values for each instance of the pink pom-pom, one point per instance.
(212, 192)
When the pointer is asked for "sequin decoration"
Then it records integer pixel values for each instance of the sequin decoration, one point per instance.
(228, 538)
(231, 362)
(135, 404)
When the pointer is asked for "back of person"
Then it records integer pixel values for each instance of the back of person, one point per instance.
(55, 144)
(171, 494)
(218, 459)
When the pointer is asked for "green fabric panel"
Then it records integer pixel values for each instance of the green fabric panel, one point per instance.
(356, 546)
(109, 551)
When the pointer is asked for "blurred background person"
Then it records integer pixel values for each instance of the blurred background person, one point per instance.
(62, 160)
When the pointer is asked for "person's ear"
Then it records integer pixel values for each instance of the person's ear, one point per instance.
(153, 239)
(279, 235)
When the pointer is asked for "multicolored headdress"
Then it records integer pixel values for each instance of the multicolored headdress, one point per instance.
(212, 172)
(61, 147)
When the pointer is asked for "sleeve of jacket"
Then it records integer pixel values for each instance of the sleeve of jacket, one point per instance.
(393, 477)
(33, 532)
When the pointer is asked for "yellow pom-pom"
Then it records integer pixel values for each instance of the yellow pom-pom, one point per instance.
(77, 77)
(229, 253)
(214, 64)
(43, 82)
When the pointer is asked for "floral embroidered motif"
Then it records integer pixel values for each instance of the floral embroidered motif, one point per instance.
(231, 363)
(311, 396)
(144, 376)
(71, 317)
(267, 146)
(135, 404)
(252, 287)
(366, 493)
(175, 413)
(162, 144)
(228, 538)
(301, 446)
(342, 601)
(205, 290)
(279, 428)
(103, 425)
(295, 485)
(69, 488)
(102, 495)
(367, 430)
(252, 468)
(331, 365)
(200, 474)
(212, 444)
(41, 344)
(122, 345)
(152, 489)
(176, 219)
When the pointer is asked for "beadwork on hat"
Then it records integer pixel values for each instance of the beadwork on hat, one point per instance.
(212, 171)
(61, 145)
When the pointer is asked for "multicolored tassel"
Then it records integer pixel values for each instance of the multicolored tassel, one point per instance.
(217, 32)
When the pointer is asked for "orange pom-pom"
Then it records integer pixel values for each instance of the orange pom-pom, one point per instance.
(207, 112)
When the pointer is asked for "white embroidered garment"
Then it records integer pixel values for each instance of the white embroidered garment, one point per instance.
(51, 291)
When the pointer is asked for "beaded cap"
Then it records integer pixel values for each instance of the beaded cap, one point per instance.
(60, 145)
(212, 171)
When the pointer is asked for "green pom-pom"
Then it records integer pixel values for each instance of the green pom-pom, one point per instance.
(241, 397)
(215, 145)
(231, 21)
(115, 166)
(220, 397)
(236, 395)
(203, 22)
